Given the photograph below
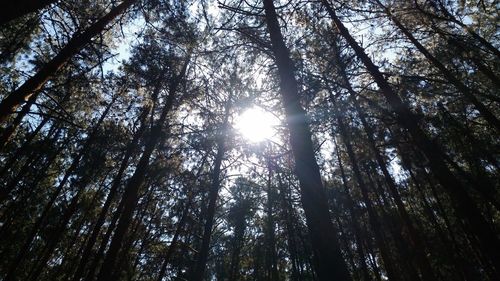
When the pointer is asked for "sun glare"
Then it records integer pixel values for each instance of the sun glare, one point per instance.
(256, 125)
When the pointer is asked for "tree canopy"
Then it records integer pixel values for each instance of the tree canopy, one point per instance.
(250, 140)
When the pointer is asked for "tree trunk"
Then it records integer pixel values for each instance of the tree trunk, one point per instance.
(419, 250)
(372, 214)
(354, 215)
(213, 194)
(328, 257)
(34, 84)
(173, 243)
(9, 130)
(271, 262)
(62, 226)
(464, 207)
(131, 195)
(450, 17)
(483, 110)
(289, 227)
(131, 149)
(41, 219)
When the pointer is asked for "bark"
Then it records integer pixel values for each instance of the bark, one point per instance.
(327, 255)
(9, 130)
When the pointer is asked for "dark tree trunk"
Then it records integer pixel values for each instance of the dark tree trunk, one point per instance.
(93, 268)
(34, 84)
(240, 225)
(41, 219)
(372, 214)
(287, 211)
(131, 195)
(439, 6)
(22, 151)
(415, 238)
(464, 207)
(61, 228)
(419, 250)
(483, 68)
(175, 238)
(201, 262)
(9, 130)
(131, 149)
(12, 10)
(354, 215)
(468, 93)
(328, 257)
(271, 260)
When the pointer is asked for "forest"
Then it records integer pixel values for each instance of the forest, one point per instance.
(238, 140)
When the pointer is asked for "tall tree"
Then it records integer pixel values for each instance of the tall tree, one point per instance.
(328, 258)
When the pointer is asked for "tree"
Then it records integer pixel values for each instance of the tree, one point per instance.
(249, 140)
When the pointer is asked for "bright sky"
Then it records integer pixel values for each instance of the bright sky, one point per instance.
(256, 124)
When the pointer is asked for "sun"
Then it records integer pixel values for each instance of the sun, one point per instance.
(256, 124)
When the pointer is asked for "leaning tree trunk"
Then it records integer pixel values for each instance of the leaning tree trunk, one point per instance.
(9, 130)
(131, 195)
(415, 237)
(328, 257)
(372, 214)
(483, 68)
(131, 149)
(61, 228)
(34, 84)
(175, 238)
(464, 207)
(450, 17)
(48, 207)
(468, 93)
(22, 151)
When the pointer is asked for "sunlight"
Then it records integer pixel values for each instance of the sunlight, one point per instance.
(256, 124)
